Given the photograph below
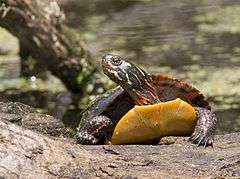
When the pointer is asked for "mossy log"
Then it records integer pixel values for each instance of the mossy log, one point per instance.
(39, 27)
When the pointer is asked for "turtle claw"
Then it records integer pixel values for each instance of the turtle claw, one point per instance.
(194, 138)
(201, 139)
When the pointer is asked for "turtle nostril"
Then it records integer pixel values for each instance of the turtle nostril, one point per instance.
(107, 57)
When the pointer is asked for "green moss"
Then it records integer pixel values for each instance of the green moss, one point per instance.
(8, 43)
(52, 84)
(224, 20)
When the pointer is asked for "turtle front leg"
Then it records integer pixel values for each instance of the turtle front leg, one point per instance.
(205, 128)
(95, 131)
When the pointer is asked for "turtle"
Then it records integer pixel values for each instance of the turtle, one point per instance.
(137, 87)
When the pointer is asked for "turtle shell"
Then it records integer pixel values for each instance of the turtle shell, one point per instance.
(169, 88)
(175, 116)
(151, 122)
(118, 102)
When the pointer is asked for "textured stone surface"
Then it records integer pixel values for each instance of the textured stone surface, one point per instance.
(27, 154)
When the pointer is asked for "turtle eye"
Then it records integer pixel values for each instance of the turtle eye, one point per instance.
(116, 61)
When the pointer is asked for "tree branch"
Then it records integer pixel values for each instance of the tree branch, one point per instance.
(39, 25)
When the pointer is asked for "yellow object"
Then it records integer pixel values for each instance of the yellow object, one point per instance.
(151, 122)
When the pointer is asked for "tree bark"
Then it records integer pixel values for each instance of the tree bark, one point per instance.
(26, 154)
(39, 25)
(39, 148)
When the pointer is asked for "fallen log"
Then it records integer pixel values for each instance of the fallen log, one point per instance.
(26, 153)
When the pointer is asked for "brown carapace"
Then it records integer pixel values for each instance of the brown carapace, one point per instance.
(169, 88)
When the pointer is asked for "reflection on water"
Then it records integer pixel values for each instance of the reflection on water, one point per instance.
(197, 41)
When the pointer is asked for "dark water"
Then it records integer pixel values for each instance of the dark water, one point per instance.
(173, 33)
(197, 41)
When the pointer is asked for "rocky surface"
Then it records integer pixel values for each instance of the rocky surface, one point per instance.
(29, 118)
(27, 152)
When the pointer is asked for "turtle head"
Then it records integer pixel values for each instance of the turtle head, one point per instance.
(122, 72)
(131, 78)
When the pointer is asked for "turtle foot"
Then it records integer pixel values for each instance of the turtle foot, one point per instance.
(94, 131)
(203, 134)
(86, 139)
(201, 139)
